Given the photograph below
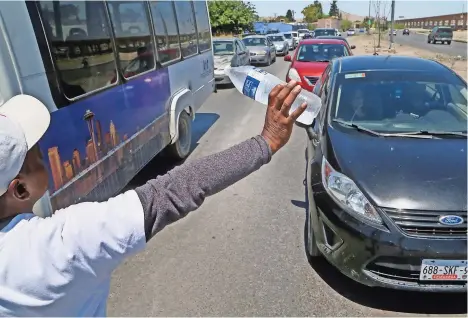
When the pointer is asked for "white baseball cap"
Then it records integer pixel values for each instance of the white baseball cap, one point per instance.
(23, 121)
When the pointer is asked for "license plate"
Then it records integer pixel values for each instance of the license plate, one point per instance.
(443, 270)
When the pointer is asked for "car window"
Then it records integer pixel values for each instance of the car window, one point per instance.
(287, 35)
(320, 52)
(324, 32)
(402, 101)
(276, 38)
(238, 47)
(223, 48)
(130, 28)
(187, 30)
(244, 48)
(255, 41)
(83, 68)
(165, 26)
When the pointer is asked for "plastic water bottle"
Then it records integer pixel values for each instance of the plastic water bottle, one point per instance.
(257, 84)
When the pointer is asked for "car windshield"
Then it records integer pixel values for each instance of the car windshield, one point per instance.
(287, 35)
(445, 30)
(322, 32)
(302, 31)
(320, 52)
(223, 47)
(332, 38)
(255, 41)
(401, 102)
(294, 34)
(276, 38)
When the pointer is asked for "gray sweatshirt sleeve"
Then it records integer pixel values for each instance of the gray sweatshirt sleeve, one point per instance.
(172, 196)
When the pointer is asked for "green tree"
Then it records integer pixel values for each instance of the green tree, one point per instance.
(366, 21)
(334, 11)
(289, 15)
(231, 16)
(346, 24)
(312, 12)
(318, 4)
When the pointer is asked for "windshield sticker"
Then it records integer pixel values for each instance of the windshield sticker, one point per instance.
(356, 75)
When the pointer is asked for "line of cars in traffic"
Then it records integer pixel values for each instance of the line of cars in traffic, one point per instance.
(386, 167)
(252, 49)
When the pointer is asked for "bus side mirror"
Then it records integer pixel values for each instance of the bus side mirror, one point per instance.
(287, 58)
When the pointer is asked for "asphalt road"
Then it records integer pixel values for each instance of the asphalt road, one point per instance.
(420, 41)
(242, 253)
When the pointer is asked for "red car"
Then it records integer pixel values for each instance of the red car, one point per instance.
(311, 58)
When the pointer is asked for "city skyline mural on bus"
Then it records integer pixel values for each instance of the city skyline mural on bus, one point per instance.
(94, 146)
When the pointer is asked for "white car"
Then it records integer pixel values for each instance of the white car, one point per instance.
(296, 37)
(301, 32)
(338, 33)
(350, 32)
(394, 32)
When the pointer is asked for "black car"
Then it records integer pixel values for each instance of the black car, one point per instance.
(336, 38)
(387, 173)
(324, 32)
(406, 32)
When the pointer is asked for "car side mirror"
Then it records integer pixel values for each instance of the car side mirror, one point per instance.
(287, 58)
(353, 47)
(309, 130)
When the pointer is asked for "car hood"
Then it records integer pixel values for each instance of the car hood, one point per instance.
(221, 61)
(256, 49)
(310, 68)
(404, 173)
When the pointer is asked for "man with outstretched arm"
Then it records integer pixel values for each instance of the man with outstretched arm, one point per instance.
(62, 265)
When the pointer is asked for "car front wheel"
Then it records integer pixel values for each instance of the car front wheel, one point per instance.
(181, 148)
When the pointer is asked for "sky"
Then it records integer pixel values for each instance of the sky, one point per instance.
(408, 9)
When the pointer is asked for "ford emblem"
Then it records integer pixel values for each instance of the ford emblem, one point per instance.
(450, 220)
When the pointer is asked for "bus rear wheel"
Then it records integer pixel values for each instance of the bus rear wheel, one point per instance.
(181, 148)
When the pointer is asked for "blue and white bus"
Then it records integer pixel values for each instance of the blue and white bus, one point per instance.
(122, 80)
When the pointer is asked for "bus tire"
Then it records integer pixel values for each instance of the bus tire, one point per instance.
(181, 148)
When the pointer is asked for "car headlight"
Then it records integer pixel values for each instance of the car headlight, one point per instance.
(345, 192)
(294, 75)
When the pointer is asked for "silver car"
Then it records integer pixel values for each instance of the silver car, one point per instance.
(291, 40)
(280, 42)
(228, 52)
(262, 50)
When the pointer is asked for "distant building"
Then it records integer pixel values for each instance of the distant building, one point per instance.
(457, 21)
(332, 23)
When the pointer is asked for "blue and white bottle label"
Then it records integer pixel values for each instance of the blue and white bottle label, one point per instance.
(250, 87)
(252, 82)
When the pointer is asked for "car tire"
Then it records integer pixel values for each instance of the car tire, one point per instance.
(181, 148)
(268, 63)
(274, 60)
(428, 40)
(449, 42)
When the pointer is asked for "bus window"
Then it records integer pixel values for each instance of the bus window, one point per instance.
(203, 25)
(131, 25)
(167, 38)
(80, 43)
(187, 33)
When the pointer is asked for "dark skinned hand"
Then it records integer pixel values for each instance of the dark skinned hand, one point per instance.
(278, 122)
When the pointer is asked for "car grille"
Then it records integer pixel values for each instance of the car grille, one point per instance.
(426, 223)
(312, 79)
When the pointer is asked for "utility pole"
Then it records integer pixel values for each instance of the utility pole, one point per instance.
(393, 21)
(369, 19)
